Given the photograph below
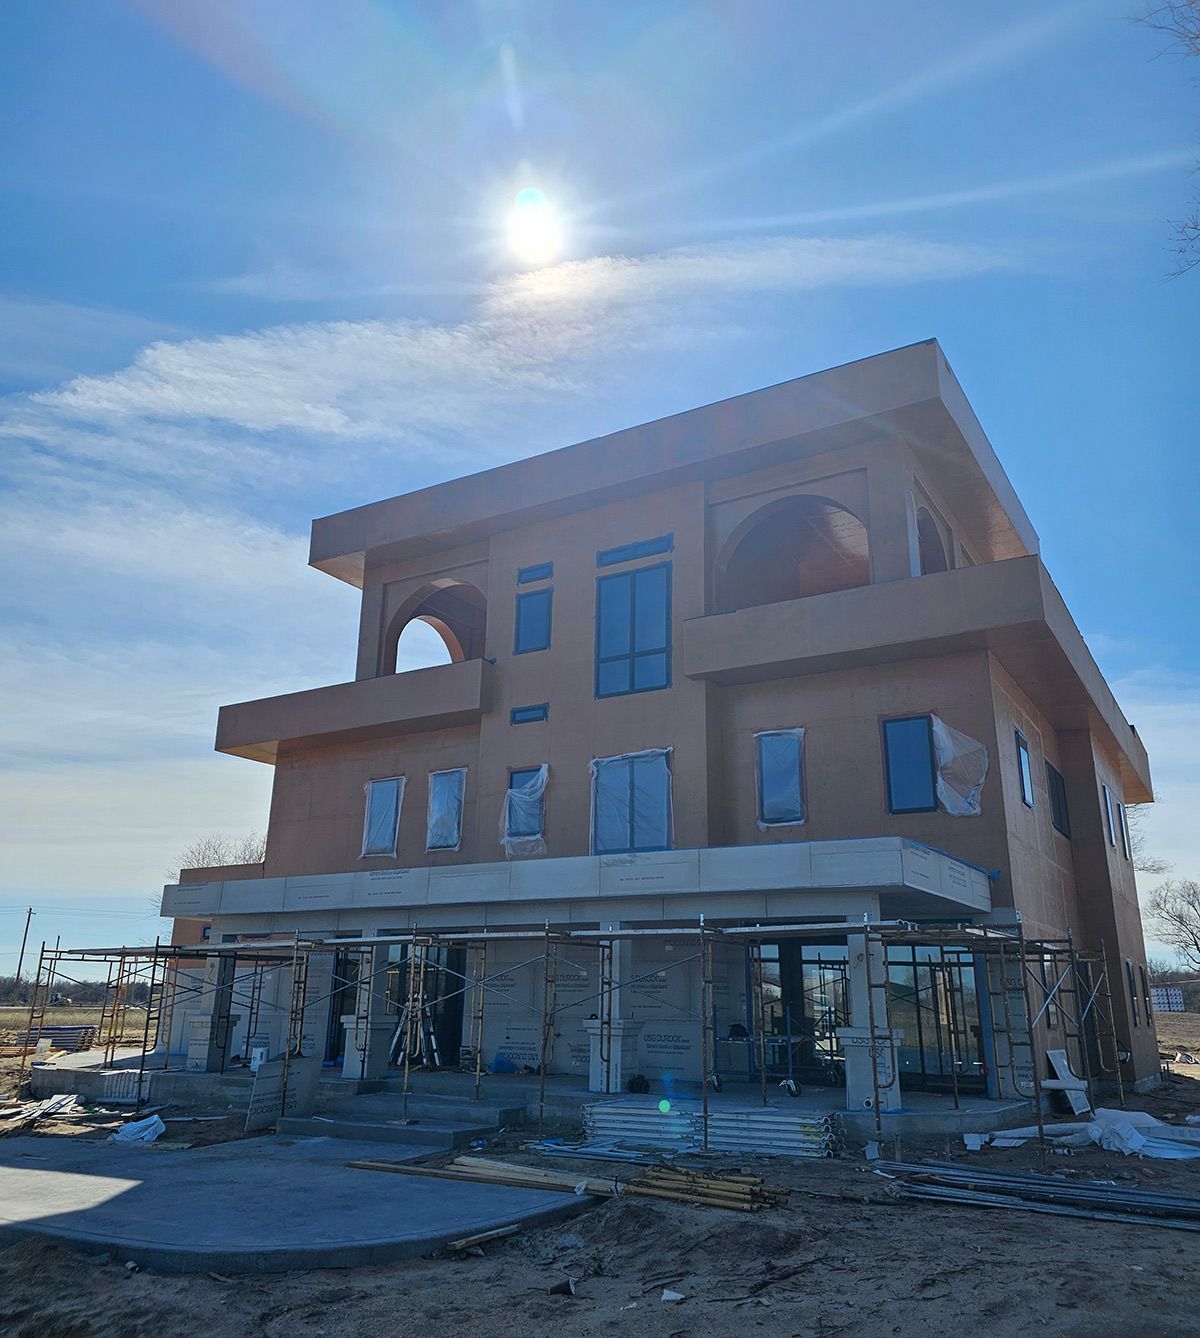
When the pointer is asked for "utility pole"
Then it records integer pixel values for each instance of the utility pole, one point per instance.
(21, 958)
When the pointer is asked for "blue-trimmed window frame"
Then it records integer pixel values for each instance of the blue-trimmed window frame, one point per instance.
(1024, 768)
(539, 571)
(631, 763)
(640, 548)
(547, 594)
(529, 715)
(887, 763)
(632, 655)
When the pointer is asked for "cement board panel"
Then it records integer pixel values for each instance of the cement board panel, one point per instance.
(252, 894)
(192, 899)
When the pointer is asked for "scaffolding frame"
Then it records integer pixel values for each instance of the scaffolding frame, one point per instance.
(1077, 987)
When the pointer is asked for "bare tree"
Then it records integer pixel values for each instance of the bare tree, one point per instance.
(1174, 911)
(1143, 861)
(206, 852)
(1180, 21)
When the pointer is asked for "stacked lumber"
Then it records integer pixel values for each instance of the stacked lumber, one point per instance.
(484, 1171)
(745, 1193)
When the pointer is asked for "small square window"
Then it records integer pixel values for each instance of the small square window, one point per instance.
(529, 715)
(910, 764)
(533, 621)
(1026, 772)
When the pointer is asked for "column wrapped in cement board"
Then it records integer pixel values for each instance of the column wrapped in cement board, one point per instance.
(962, 767)
(522, 816)
(631, 802)
(779, 778)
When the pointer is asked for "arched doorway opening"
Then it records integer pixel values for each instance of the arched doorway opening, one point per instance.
(792, 548)
(442, 623)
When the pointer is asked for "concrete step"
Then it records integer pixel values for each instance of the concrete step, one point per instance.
(428, 1133)
(384, 1106)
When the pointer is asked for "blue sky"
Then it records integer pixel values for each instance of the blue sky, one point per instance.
(253, 269)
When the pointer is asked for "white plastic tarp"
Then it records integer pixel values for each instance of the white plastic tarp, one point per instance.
(139, 1131)
(382, 821)
(631, 802)
(1132, 1132)
(779, 775)
(962, 767)
(522, 816)
(444, 827)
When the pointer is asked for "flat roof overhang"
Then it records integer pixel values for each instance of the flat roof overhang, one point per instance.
(910, 879)
(1010, 608)
(908, 392)
(440, 697)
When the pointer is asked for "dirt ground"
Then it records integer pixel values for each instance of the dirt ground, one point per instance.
(843, 1256)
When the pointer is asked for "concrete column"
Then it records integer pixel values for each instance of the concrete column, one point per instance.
(868, 1046)
(624, 1052)
(1011, 1054)
(369, 1029)
(210, 1026)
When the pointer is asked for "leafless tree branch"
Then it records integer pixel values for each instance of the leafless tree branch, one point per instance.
(1174, 911)
(1179, 20)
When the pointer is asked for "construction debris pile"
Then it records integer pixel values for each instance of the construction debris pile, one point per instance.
(1101, 1200)
(1132, 1132)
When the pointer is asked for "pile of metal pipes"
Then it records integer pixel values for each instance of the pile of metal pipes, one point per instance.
(1099, 1200)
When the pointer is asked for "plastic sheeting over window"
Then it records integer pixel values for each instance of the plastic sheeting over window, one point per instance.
(631, 802)
(522, 814)
(382, 821)
(962, 767)
(443, 829)
(780, 777)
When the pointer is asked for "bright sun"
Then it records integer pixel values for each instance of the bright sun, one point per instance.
(534, 229)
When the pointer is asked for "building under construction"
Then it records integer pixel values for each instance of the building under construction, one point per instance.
(764, 751)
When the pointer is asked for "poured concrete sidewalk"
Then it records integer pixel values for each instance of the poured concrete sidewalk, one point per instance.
(258, 1205)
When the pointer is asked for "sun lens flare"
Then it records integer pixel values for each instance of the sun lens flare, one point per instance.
(534, 228)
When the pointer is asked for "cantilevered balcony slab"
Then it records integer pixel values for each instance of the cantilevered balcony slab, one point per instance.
(1010, 608)
(886, 874)
(422, 699)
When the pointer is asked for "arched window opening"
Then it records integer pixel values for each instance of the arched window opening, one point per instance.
(792, 548)
(442, 624)
(421, 646)
(930, 544)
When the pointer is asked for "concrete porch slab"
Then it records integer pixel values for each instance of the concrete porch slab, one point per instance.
(262, 1205)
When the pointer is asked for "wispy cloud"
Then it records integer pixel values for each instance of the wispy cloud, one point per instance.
(154, 533)
(530, 337)
(42, 341)
(1050, 183)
